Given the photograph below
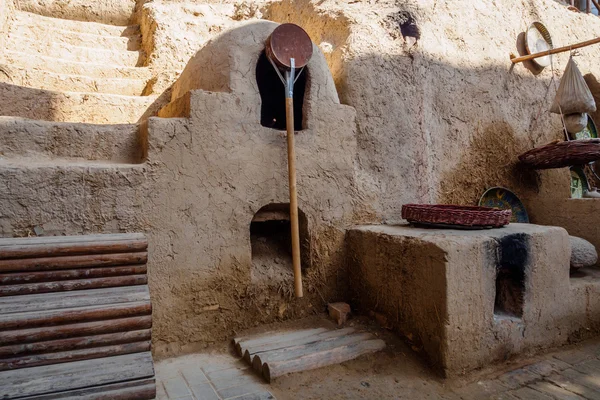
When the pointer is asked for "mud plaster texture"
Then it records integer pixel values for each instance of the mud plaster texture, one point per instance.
(439, 289)
(439, 120)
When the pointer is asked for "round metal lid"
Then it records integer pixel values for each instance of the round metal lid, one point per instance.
(289, 41)
(537, 40)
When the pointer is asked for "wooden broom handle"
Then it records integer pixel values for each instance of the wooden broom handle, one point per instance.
(289, 110)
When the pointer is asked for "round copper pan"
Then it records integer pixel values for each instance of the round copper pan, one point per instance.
(289, 41)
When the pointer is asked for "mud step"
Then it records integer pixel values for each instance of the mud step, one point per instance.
(60, 66)
(41, 18)
(74, 53)
(275, 354)
(94, 108)
(21, 137)
(38, 79)
(57, 34)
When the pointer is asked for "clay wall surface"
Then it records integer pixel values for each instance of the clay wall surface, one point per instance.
(441, 119)
(436, 120)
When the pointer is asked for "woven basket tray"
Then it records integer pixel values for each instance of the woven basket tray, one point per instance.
(456, 215)
(562, 154)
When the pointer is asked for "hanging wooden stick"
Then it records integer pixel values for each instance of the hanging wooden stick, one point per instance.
(289, 115)
(516, 60)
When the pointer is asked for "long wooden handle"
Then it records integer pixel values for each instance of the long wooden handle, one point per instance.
(554, 51)
(289, 109)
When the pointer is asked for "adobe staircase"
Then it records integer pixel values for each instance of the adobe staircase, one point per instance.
(71, 94)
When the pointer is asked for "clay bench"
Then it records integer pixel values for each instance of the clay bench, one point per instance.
(75, 318)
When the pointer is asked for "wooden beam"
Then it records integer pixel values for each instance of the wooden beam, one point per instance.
(34, 250)
(272, 370)
(141, 389)
(82, 329)
(588, 6)
(79, 284)
(242, 343)
(516, 60)
(72, 262)
(14, 278)
(75, 299)
(74, 315)
(77, 343)
(76, 375)
(281, 344)
(72, 355)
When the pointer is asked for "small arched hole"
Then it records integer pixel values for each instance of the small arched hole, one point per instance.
(272, 95)
(270, 238)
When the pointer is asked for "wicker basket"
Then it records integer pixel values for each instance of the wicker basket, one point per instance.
(562, 154)
(466, 216)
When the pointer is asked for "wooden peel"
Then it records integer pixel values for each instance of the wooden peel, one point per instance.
(289, 47)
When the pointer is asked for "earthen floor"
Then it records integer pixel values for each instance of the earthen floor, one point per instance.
(396, 373)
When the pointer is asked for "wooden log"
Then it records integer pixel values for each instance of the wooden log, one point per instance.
(242, 343)
(75, 343)
(251, 351)
(291, 353)
(36, 360)
(272, 370)
(76, 375)
(74, 315)
(72, 330)
(142, 389)
(99, 237)
(87, 298)
(31, 250)
(79, 284)
(72, 262)
(61, 275)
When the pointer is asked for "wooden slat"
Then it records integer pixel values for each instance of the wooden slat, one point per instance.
(73, 315)
(57, 301)
(35, 360)
(295, 352)
(70, 249)
(275, 345)
(143, 389)
(75, 375)
(79, 284)
(74, 330)
(72, 262)
(75, 343)
(15, 278)
(242, 343)
(272, 370)
(7, 242)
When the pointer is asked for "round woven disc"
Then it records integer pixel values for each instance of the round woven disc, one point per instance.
(289, 41)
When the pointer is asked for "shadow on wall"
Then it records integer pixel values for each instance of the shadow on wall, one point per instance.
(491, 159)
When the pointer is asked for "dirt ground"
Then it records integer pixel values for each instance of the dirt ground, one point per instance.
(399, 372)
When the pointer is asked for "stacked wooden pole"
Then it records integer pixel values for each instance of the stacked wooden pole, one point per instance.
(73, 300)
(275, 354)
